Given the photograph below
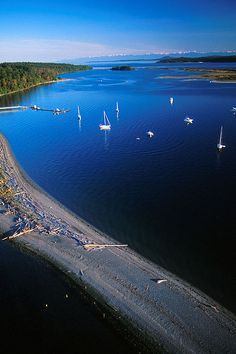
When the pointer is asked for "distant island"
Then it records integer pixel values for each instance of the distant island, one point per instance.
(20, 76)
(219, 75)
(122, 68)
(207, 59)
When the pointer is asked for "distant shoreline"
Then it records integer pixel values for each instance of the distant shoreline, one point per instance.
(168, 316)
(200, 59)
(223, 81)
(214, 75)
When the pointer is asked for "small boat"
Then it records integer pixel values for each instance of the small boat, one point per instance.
(58, 111)
(35, 108)
(219, 145)
(188, 120)
(79, 115)
(171, 100)
(106, 125)
(150, 134)
(117, 108)
(233, 109)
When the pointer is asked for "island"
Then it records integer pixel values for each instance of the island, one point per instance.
(20, 76)
(206, 59)
(122, 68)
(161, 312)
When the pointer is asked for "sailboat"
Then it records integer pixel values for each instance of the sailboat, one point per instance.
(79, 115)
(219, 145)
(233, 110)
(106, 125)
(188, 120)
(171, 100)
(117, 108)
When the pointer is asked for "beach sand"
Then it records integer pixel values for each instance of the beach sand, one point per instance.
(166, 316)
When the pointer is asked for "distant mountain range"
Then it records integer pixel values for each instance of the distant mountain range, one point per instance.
(146, 57)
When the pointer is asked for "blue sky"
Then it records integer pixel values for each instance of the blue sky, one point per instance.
(51, 30)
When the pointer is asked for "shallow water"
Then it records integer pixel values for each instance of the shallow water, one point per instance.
(172, 197)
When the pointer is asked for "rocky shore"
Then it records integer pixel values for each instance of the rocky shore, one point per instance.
(160, 310)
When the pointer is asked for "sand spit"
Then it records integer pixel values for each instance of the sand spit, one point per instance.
(163, 311)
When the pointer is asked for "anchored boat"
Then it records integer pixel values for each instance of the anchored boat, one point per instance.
(150, 134)
(219, 145)
(106, 125)
(188, 120)
(117, 108)
(79, 115)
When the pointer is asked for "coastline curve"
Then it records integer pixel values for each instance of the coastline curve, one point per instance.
(166, 313)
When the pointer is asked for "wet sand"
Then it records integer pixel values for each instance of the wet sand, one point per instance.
(168, 315)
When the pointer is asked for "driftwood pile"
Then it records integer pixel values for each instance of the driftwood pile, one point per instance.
(29, 216)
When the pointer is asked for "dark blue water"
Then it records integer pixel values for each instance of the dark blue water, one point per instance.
(43, 312)
(172, 197)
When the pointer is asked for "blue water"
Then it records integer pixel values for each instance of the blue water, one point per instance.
(172, 197)
(43, 312)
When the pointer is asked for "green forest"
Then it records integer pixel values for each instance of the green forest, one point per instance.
(122, 68)
(210, 59)
(18, 76)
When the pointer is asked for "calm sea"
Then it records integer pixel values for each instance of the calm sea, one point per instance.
(42, 312)
(171, 197)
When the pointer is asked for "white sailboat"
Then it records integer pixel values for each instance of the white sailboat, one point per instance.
(188, 120)
(171, 100)
(106, 125)
(117, 108)
(233, 110)
(79, 115)
(219, 145)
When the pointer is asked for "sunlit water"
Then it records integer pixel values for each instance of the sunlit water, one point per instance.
(171, 197)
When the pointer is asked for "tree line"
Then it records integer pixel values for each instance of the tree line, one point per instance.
(18, 76)
(210, 59)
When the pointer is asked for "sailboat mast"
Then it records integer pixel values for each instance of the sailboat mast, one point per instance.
(79, 115)
(104, 117)
(106, 120)
(221, 129)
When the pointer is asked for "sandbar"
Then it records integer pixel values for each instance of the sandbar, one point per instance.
(162, 311)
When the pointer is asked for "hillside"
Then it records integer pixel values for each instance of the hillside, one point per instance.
(19, 76)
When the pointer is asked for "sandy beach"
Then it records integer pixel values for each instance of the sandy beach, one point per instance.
(162, 311)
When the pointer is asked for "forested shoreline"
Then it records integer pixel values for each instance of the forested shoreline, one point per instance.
(205, 59)
(23, 75)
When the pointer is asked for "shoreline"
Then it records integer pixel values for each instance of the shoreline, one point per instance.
(171, 315)
(40, 83)
(198, 77)
(212, 75)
